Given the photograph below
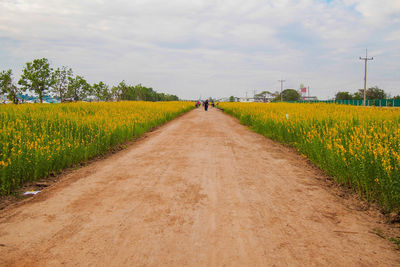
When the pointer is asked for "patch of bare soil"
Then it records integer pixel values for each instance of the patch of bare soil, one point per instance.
(202, 190)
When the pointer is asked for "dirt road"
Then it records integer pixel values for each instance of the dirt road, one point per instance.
(202, 190)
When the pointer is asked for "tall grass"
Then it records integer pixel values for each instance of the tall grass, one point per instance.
(359, 147)
(38, 139)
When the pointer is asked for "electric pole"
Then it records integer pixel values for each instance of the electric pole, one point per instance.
(281, 81)
(365, 73)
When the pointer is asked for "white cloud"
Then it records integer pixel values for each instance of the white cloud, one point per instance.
(376, 11)
(215, 48)
(393, 36)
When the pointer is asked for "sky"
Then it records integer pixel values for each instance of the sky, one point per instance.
(209, 48)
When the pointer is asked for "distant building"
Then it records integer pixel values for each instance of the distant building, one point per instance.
(245, 99)
(264, 99)
(309, 98)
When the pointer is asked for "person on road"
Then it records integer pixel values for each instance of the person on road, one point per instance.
(206, 105)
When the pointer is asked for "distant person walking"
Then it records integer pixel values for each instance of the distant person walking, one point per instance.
(206, 105)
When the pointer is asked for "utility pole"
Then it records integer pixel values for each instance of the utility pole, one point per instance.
(365, 73)
(281, 81)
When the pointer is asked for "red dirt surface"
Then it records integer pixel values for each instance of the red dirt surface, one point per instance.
(202, 190)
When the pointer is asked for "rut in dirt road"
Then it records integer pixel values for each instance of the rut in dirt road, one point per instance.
(202, 190)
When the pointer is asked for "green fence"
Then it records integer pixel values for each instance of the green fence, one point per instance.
(376, 103)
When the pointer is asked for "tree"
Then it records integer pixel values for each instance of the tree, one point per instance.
(290, 95)
(372, 93)
(100, 91)
(78, 88)
(115, 93)
(140, 92)
(264, 95)
(172, 98)
(36, 76)
(167, 97)
(375, 93)
(144, 93)
(231, 98)
(8, 87)
(359, 95)
(61, 78)
(343, 96)
(120, 91)
(276, 96)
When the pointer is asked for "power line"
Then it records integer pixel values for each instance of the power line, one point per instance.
(365, 72)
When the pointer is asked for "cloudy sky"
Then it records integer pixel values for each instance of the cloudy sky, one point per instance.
(214, 48)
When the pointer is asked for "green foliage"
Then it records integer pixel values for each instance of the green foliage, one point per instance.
(8, 87)
(343, 96)
(231, 98)
(119, 90)
(140, 92)
(372, 93)
(264, 95)
(61, 79)
(290, 95)
(100, 91)
(78, 88)
(359, 95)
(375, 93)
(40, 78)
(37, 77)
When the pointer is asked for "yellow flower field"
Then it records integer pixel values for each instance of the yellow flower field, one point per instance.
(38, 139)
(359, 147)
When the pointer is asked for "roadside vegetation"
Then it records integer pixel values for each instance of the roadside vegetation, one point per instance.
(359, 147)
(39, 82)
(40, 139)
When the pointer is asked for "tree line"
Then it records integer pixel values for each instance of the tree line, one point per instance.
(267, 96)
(39, 78)
(372, 93)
